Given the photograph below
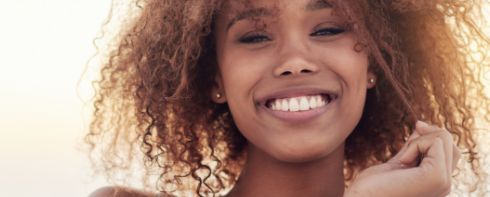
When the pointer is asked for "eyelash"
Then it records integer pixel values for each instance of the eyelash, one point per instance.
(254, 38)
(258, 37)
(328, 32)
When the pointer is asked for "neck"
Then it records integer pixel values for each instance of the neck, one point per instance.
(266, 176)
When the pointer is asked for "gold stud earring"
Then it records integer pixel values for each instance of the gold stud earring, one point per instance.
(218, 95)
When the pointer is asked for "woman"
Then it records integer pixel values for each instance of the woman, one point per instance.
(293, 98)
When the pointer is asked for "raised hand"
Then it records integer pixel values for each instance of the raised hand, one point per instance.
(423, 167)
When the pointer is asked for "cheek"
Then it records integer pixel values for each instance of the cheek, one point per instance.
(350, 69)
(241, 72)
(354, 79)
(349, 66)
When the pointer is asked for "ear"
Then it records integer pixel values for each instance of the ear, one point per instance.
(371, 80)
(218, 92)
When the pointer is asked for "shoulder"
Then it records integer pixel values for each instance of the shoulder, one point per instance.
(115, 191)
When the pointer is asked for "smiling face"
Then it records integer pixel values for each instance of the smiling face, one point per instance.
(293, 82)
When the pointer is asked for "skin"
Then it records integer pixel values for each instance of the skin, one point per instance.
(269, 53)
(299, 37)
(296, 46)
(252, 70)
(113, 191)
(404, 176)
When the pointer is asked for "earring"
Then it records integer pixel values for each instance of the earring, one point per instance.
(371, 80)
(218, 95)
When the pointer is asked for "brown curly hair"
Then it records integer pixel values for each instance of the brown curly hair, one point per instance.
(153, 96)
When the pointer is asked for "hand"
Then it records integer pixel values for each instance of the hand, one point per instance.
(423, 167)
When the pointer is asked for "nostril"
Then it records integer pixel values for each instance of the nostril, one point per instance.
(292, 72)
(305, 71)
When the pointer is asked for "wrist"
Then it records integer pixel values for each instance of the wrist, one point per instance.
(357, 193)
(351, 193)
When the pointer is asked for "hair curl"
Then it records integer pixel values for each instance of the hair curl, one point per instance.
(153, 96)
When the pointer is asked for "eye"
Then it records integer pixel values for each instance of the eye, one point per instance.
(328, 32)
(254, 38)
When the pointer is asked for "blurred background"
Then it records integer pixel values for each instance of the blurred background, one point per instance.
(45, 95)
(44, 48)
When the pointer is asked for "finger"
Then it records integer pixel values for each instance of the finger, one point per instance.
(427, 129)
(451, 150)
(432, 149)
(434, 164)
(448, 146)
(434, 159)
(448, 149)
(418, 148)
(455, 152)
(456, 157)
(412, 136)
(435, 151)
(424, 128)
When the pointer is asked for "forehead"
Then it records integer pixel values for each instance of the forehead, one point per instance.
(235, 10)
(239, 5)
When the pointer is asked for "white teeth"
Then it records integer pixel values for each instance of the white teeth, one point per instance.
(293, 104)
(301, 103)
(319, 101)
(284, 105)
(313, 102)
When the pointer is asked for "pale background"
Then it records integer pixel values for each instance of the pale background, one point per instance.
(44, 47)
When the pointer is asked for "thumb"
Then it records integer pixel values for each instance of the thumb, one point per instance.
(396, 158)
(423, 128)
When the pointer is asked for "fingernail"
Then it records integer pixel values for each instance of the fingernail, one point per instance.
(421, 124)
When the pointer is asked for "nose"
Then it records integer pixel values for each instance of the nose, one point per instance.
(295, 63)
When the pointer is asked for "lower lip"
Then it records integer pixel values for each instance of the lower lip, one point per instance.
(299, 116)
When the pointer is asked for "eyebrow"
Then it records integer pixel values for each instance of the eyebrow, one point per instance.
(317, 5)
(313, 5)
(247, 14)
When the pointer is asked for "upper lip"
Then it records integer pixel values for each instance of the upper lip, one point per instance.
(295, 92)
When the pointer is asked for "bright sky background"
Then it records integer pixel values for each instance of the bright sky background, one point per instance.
(44, 46)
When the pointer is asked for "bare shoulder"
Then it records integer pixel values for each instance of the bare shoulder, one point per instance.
(115, 191)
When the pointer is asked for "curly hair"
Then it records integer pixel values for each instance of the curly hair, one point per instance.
(153, 96)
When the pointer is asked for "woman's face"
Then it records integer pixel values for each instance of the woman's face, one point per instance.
(290, 75)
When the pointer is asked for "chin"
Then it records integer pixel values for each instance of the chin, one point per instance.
(301, 154)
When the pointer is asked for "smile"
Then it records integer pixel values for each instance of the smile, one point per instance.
(300, 103)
